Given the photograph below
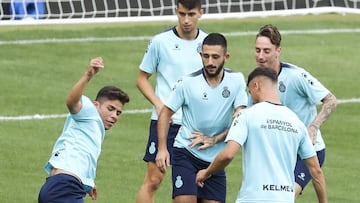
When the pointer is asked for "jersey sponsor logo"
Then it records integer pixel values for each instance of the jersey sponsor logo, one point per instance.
(205, 96)
(282, 87)
(281, 188)
(176, 47)
(226, 92)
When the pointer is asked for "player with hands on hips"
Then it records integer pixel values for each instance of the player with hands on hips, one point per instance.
(208, 98)
(170, 55)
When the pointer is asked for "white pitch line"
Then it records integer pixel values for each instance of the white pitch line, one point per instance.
(134, 111)
(345, 101)
(141, 38)
(41, 117)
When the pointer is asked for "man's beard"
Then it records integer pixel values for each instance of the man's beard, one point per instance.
(217, 72)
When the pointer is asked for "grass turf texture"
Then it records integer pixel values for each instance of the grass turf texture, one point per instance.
(36, 78)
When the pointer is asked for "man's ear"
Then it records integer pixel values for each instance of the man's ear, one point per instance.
(257, 85)
(278, 50)
(201, 12)
(96, 104)
(227, 56)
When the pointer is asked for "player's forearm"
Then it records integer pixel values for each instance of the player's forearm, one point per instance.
(320, 187)
(328, 106)
(220, 162)
(318, 178)
(163, 128)
(77, 91)
(221, 136)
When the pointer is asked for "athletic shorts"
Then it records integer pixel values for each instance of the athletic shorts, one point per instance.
(152, 145)
(62, 188)
(184, 169)
(302, 174)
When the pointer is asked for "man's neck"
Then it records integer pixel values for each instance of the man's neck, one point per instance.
(187, 36)
(214, 81)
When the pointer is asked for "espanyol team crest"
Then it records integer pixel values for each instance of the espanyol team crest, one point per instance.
(225, 92)
(282, 87)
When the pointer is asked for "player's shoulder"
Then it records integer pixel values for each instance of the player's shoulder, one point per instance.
(292, 67)
(166, 33)
(194, 74)
(188, 80)
(289, 70)
(233, 73)
(202, 34)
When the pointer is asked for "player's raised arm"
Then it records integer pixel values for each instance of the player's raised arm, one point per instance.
(73, 98)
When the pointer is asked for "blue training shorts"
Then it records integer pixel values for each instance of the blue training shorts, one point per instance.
(62, 188)
(302, 174)
(184, 169)
(152, 145)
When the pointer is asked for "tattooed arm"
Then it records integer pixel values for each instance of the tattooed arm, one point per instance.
(328, 105)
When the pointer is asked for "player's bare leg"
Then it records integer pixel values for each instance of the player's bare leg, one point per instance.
(152, 181)
(298, 190)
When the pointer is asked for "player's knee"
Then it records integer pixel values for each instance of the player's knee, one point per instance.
(154, 182)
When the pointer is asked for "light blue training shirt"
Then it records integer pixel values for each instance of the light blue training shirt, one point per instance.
(171, 57)
(301, 92)
(206, 109)
(271, 136)
(78, 148)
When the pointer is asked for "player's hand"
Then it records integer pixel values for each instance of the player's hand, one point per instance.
(201, 177)
(94, 66)
(93, 193)
(199, 138)
(162, 160)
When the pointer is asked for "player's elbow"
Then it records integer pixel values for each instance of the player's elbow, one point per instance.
(227, 157)
(330, 101)
(142, 79)
(316, 172)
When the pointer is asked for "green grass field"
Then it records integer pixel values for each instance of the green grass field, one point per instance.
(36, 76)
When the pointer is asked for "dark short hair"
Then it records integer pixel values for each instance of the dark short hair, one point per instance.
(112, 93)
(189, 4)
(262, 71)
(216, 39)
(270, 32)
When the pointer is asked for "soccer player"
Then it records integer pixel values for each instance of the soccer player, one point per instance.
(72, 165)
(170, 55)
(298, 90)
(208, 97)
(271, 136)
